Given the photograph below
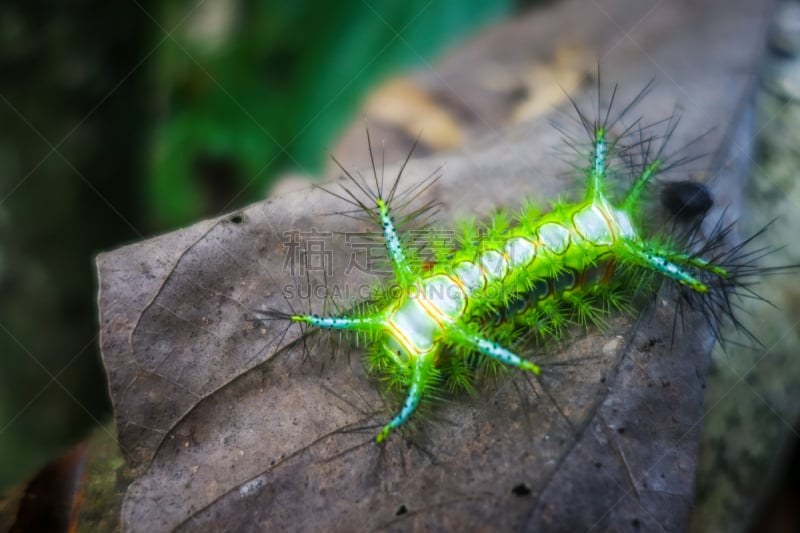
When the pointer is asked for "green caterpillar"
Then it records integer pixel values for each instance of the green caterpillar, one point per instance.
(531, 274)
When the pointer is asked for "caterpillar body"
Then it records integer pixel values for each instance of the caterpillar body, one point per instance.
(534, 273)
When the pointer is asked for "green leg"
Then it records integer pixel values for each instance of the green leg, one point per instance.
(412, 400)
(495, 351)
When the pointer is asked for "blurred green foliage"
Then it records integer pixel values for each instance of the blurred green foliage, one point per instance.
(263, 87)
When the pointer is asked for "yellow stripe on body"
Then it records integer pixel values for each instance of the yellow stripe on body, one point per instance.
(434, 304)
(412, 328)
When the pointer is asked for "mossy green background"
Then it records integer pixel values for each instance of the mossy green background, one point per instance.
(267, 89)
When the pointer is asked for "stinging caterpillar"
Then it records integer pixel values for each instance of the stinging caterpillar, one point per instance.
(533, 274)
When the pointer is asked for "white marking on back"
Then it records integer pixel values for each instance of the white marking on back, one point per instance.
(494, 264)
(554, 236)
(593, 225)
(444, 295)
(520, 251)
(470, 275)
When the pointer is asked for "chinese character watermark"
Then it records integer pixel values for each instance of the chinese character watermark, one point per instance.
(306, 252)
